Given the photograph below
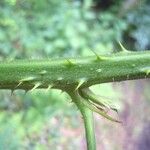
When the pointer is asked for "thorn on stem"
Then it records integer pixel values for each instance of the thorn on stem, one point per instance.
(69, 63)
(98, 57)
(49, 87)
(28, 79)
(36, 86)
(80, 82)
(123, 49)
(146, 70)
(18, 84)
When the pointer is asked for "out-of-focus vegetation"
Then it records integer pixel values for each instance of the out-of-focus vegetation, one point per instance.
(54, 28)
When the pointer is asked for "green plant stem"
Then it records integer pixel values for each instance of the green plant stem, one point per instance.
(88, 120)
(89, 128)
(74, 72)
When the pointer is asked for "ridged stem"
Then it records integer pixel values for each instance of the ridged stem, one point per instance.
(74, 72)
(88, 120)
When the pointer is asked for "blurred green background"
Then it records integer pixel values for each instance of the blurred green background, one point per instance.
(36, 29)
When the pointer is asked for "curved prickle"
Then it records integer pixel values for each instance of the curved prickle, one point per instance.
(75, 76)
(96, 105)
(97, 100)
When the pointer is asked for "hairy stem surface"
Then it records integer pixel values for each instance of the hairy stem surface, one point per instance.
(74, 72)
(75, 75)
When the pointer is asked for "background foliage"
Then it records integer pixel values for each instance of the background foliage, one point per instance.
(31, 29)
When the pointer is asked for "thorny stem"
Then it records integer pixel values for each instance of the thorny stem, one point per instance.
(75, 75)
(74, 72)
